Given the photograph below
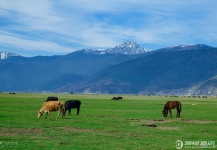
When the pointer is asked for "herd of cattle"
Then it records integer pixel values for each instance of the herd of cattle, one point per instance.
(53, 104)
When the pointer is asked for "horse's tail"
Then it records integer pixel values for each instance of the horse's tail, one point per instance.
(180, 107)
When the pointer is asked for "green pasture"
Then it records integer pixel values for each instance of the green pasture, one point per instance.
(106, 124)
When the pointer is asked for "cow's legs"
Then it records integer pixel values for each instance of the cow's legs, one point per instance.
(78, 110)
(58, 114)
(63, 113)
(69, 112)
(65, 110)
(47, 115)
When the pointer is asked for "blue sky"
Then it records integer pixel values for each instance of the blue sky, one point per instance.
(55, 27)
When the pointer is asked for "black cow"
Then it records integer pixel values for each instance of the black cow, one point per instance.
(121, 98)
(52, 98)
(71, 104)
(114, 98)
(117, 98)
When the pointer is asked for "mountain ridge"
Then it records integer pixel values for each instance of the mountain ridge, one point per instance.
(99, 71)
(186, 47)
(127, 48)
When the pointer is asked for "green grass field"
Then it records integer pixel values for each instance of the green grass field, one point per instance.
(106, 124)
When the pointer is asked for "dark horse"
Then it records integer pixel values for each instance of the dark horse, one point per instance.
(171, 105)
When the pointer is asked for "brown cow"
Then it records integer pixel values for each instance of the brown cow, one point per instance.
(51, 106)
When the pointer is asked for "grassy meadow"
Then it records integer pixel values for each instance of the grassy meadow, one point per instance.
(104, 123)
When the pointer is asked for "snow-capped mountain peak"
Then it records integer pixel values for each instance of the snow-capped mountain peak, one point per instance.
(128, 48)
(6, 55)
(189, 47)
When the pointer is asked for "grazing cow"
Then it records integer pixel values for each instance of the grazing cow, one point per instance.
(117, 98)
(51, 106)
(114, 98)
(171, 105)
(52, 98)
(121, 98)
(71, 104)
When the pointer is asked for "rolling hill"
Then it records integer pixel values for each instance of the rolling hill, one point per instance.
(207, 87)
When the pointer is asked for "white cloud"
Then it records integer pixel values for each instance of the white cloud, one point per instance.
(72, 25)
(12, 40)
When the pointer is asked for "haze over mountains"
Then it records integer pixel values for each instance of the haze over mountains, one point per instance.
(124, 69)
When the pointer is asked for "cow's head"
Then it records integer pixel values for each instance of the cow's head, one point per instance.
(164, 113)
(39, 114)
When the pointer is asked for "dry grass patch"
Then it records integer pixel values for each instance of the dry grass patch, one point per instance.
(20, 131)
(167, 128)
(150, 120)
(199, 121)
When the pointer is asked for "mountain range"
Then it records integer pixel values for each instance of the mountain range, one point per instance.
(124, 69)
